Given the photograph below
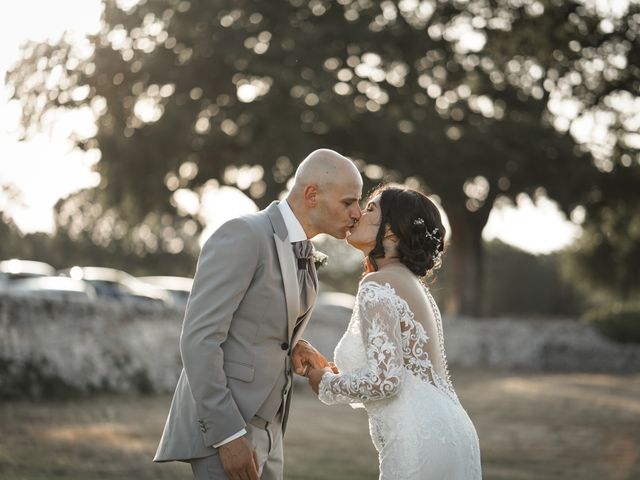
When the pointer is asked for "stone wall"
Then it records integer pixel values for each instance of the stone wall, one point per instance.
(52, 348)
(507, 343)
(55, 348)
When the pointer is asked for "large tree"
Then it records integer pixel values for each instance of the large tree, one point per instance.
(590, 54)
(417, 91)
(604, 261)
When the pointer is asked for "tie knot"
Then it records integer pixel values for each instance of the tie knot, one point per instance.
(303, 249)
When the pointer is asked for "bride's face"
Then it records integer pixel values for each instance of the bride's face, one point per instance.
(363, 235)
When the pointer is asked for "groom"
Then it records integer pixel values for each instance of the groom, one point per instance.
(253, 292)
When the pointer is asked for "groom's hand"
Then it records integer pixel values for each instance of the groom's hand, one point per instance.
(304, 356)
(239, 459)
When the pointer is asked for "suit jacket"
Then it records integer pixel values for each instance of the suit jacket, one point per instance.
(237, 334)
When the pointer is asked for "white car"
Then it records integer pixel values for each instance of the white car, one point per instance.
(113, 283)
(178, 288)
(17, 268)
(56, 288)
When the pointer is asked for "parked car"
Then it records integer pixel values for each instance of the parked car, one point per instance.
(16, 268)
(52, 287)
(113, 283)
(178, 288)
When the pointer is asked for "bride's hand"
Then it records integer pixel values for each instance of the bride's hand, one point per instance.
(315, 376)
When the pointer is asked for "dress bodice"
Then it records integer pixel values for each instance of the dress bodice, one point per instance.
(382, 344)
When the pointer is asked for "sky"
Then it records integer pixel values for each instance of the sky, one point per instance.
(61, 170)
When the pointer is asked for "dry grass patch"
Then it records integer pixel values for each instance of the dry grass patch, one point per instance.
(531, 426)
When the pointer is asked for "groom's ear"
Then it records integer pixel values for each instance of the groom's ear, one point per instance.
(311, 195)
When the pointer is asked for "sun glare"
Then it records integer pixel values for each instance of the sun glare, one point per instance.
(60, 170)
(538, 227)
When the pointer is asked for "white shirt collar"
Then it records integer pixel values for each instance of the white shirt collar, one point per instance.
(294, 228)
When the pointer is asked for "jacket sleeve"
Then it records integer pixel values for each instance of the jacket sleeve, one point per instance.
(226, 267)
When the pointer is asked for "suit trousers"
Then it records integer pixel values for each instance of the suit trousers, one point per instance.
(266, 438)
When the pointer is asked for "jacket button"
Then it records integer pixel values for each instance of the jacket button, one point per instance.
(284, 346)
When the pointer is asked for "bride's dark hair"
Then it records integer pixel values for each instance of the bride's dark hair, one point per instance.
(416, 223)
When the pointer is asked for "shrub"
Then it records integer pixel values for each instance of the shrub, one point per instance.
(619, 321)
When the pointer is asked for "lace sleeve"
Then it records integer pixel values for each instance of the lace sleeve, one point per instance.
(379, 314)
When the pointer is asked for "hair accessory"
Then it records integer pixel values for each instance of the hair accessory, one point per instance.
(437, 252)
(435, 237)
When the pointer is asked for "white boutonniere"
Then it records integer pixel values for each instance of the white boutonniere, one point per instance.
(319, 259)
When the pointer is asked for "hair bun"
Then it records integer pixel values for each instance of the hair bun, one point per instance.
(416, 223)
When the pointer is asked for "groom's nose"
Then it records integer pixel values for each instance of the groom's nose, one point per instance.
(356, 213)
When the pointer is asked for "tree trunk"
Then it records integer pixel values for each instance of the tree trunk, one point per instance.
(466, 263)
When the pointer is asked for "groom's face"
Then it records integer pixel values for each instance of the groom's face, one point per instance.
(338, 207)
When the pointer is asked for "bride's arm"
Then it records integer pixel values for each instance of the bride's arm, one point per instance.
(380, 327)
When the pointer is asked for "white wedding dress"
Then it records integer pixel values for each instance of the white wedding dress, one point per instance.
(388, 366)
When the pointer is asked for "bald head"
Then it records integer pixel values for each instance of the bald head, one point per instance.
(325, 193)
(323, 167)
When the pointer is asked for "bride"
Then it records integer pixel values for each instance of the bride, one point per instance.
(391, 359)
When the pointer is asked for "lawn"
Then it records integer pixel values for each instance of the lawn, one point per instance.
(531, 426)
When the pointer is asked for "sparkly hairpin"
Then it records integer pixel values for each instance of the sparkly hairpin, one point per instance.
(433, 235)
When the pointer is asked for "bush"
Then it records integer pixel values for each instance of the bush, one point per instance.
(619, 322)
(523, 284)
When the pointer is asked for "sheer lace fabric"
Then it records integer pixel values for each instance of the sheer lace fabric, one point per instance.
(416, 421)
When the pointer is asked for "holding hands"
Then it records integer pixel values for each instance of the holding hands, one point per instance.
(315, 375)
(309, 362)
(304, 357)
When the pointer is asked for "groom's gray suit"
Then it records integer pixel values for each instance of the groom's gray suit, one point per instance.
(237, 337)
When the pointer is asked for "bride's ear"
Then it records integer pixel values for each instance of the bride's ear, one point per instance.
(389, 235)
(389, 241)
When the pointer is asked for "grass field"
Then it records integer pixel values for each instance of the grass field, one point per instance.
(531, 426)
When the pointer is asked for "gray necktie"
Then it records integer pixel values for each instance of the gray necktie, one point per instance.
(307, 276)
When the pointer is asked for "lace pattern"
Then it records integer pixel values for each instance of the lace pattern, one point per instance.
(393, 340)
(381, 376)
(416, 422)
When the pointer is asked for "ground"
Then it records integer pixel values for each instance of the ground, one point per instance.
(531, 426)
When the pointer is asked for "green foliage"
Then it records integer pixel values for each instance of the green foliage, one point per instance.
(63, 251)
(185, 92)
(578, 35)
(618, 321)
(604, 262)
(518, 283)
(346, 75)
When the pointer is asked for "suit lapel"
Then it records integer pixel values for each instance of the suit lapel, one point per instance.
(287, 265)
